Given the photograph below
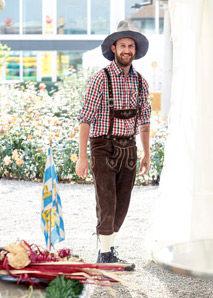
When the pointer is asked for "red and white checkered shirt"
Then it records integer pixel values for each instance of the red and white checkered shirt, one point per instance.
(95, 110)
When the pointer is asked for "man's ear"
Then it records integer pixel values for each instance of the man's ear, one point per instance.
(113, 48)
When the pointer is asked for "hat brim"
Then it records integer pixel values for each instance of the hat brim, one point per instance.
(142, 43)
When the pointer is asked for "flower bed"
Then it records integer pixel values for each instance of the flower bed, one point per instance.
(30, 118)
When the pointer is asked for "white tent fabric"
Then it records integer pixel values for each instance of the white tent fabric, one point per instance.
(184, 210)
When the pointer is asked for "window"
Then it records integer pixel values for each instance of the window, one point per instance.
(32, 17)
(72, 17)
(100, 16)
(46, 66)
(67, 60)
(13, 66)
(29, 66)
(9, 18)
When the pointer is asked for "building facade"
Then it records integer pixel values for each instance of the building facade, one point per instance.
(47, 37)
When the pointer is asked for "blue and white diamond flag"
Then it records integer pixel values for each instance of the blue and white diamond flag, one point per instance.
(51, 212)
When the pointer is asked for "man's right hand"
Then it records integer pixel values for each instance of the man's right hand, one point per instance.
(82, 167)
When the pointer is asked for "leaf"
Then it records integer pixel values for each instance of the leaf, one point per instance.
(62, 287)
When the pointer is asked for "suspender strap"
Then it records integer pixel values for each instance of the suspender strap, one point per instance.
(111, 103)
(138, 100)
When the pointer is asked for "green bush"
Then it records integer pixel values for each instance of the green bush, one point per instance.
(157, 149)
(30, 118)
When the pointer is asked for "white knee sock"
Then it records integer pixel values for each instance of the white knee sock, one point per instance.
(105, 242)
(112, 239)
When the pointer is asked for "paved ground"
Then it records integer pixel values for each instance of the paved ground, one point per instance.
(20, 204)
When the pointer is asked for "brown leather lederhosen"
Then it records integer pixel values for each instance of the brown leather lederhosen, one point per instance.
(113, 163)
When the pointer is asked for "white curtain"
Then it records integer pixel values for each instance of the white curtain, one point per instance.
(184, 209)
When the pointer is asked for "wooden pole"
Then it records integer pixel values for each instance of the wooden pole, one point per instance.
(50, 230)
(52, 198)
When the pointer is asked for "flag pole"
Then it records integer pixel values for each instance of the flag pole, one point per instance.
(52, 197)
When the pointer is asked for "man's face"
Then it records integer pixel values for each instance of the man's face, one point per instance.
(124, 51)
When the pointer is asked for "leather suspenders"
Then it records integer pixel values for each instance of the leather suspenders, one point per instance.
(122, 114)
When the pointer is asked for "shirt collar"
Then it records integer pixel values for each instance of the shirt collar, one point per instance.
(119, 71)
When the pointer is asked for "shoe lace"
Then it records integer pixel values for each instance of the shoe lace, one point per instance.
(105, 257)
(115, 255)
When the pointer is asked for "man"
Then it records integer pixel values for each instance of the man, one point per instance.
(115, 109)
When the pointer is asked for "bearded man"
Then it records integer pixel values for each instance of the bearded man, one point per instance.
(115, 109)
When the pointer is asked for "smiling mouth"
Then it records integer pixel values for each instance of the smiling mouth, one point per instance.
(126, 56)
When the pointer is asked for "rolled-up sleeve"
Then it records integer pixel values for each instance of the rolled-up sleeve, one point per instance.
(145, 105)
(92, 99)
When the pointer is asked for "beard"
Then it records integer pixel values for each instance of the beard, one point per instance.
(124, 61)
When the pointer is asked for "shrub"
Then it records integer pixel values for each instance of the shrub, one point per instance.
(30, 118)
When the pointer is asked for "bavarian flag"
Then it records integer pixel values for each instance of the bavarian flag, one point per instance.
(51, 213)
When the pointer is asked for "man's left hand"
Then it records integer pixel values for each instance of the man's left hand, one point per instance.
(145, 165)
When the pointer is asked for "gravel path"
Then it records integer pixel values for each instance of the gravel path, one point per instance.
(20, 204)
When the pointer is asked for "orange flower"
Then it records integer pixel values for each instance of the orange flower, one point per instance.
(56, 122)
(40, 122)
(153, 133)
(39, 149)
(15, 154)
(57, 134)
(76, 128)
(71, 135)
(29, 137)
(19, 161)
(13, 119)
(50, 138)
(7, 160)
(74, 157)
(42, 86)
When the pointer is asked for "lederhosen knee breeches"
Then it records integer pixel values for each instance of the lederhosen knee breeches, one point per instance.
(113, 164)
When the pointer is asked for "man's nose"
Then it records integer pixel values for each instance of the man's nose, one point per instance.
(127, 50)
